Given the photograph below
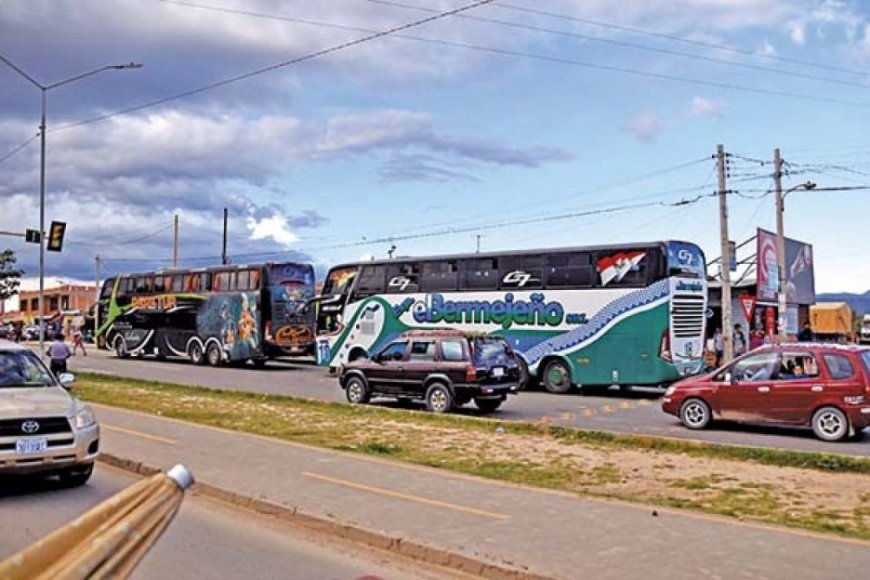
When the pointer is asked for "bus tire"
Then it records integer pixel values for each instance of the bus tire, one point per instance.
(120, 346)
(213, 355)
(556, 377)
(195, 354)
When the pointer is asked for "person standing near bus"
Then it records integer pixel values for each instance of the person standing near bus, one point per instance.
(58, 352)
(740, 342)
(78, 341)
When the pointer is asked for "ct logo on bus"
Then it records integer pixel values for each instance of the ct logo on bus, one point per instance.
(519, 278)
(685, 256)
(400, 282)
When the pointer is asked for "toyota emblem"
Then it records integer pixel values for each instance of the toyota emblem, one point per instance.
(30, 427)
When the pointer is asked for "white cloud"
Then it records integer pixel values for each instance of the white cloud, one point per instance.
(767, 49)
(797, 33)
(274, 227)
(645, 126)
(702, 107)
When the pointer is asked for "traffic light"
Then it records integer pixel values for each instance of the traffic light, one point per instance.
(55, 236)
(32, 236)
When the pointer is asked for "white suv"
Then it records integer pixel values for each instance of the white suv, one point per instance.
(43, 429)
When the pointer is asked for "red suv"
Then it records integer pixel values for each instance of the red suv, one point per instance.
(826, 387)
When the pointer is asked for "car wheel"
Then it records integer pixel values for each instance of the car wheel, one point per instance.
(695, 414)
(557, 377)
(213, 354)
(439, 399)
(121, 347)
(830, 424)
(76, 476)
(356, 391)
(488, 405)
(525, 378)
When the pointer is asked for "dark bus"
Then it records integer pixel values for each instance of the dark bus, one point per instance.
(224, 314)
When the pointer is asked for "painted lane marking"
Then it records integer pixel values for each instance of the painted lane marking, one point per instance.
(406, 497)
(138, 434)
(626, 405)
(607, 409)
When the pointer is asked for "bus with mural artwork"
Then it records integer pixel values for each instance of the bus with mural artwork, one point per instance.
(224, 314)
(627, 314)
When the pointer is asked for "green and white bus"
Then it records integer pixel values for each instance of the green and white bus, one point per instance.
(628, 314)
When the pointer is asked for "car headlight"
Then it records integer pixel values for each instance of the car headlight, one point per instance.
(670, 391)
(84, 418)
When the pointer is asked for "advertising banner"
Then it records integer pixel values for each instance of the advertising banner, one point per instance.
(800, 287)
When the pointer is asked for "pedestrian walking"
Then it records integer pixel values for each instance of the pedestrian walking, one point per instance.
(78, 341)
(740, 342)
(58, 352)
(756, 339)
(719, 345)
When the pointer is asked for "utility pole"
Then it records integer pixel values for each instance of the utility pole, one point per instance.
(478, 243)
(97, 299)
(725, 263)
(782, 335)
(224, 259)
(175, 245)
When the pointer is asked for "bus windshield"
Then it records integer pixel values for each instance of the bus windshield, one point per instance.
(685, 258)
(339, 281)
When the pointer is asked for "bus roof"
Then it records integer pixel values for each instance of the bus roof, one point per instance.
(200, 269)
(605, 247)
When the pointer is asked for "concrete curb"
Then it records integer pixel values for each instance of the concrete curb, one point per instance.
(378, 540)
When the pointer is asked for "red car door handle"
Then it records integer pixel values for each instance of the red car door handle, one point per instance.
(763, 389)
(817, 388)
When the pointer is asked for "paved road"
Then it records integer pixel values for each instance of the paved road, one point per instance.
(634, 412)
(206, 539)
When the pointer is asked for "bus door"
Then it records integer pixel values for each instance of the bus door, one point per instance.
(291, 287)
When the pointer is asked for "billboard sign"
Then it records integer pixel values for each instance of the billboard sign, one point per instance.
(800, 286)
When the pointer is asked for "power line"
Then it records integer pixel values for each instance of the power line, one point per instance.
(19, 148)
(682, 39)
(632, 45)
(284, 64)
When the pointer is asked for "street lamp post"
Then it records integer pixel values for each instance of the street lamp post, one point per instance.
(780, 242)
(44, 89)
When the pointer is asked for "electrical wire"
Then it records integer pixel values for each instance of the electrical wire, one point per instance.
(682, 39)
(626, 44)
(277, 66)
(18, 148)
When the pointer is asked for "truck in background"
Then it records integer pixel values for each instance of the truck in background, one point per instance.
(831, 321)
(864, 335)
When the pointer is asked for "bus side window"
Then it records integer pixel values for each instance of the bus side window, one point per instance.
(254, 280)
(403, 278)
(192, 283)
(568, 270)
(159, 285)
(439, 276)
(480, 273)
(178, 283)
(371, 280)
(521, 272)
(243, 280)
(222, 281)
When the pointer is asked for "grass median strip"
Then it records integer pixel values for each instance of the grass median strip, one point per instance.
(816, 491)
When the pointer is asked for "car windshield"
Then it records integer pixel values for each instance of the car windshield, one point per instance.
(489, 350)
(23, 369)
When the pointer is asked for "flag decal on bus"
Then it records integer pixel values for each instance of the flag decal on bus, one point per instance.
(615, 267)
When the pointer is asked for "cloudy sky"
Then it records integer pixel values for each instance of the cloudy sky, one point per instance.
(525, 122)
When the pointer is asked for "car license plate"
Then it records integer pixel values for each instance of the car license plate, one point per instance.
(498, 372)
(35, 445)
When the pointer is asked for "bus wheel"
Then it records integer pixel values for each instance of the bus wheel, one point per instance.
(557, 377)
(195, 354)
(213, 355)
(121, 347)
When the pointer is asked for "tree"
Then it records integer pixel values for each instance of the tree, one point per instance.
(10, 277)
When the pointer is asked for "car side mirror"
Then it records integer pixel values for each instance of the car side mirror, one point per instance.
(66, 380)
(398, 356)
